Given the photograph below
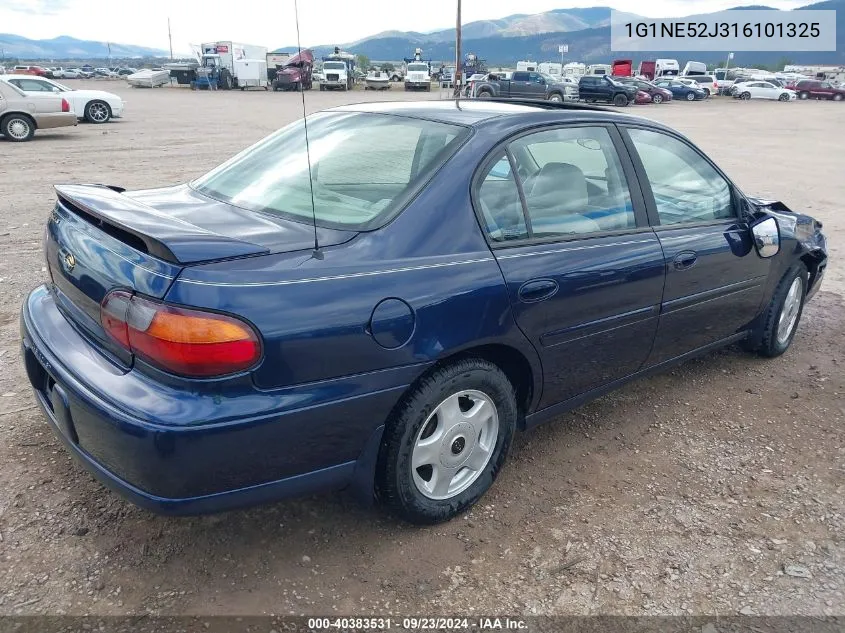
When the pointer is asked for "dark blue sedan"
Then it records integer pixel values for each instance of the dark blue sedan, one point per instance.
(383, 309)
(681, 90)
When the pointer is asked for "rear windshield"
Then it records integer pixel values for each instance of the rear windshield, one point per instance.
(364, 167)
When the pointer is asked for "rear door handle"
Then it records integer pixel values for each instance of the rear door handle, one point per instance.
(685, 260)
(537, 290)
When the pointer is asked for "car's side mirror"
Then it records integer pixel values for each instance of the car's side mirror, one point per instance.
(766, 236)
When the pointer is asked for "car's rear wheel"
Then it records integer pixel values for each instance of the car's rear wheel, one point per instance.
(784, 97)
(447, 441)
(97, 112)
(780, 320)
(485, 94)
(745, 96)
(803, 95)
(620, 100)
(657, 98)
(17, 127)
(690, 96)
(837, 97)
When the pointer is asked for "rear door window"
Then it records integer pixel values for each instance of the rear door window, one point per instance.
(500, 206)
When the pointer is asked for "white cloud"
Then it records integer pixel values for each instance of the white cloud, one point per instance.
(271, 23)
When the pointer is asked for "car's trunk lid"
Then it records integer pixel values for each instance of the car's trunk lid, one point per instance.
(99, 238)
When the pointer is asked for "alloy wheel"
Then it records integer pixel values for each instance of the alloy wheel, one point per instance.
(789, 312)
(454, 444)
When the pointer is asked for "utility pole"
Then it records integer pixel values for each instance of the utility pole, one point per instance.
(170, 37)
(458, 52)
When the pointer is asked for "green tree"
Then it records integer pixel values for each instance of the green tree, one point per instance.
(388, 67)
(783, 62)
(362, 61)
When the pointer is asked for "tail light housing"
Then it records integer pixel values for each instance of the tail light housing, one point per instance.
(65, 105)
(182, 341)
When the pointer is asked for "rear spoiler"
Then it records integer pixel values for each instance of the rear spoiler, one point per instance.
(160, 235)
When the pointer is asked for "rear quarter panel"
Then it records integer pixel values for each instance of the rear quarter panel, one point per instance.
(315, 314)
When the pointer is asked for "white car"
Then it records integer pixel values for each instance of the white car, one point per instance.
(687, 81)
(761, 90)
(94, 106)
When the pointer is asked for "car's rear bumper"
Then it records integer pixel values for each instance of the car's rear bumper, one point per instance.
(282, 443)
(54, 120)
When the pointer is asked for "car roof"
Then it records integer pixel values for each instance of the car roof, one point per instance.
(477, 113)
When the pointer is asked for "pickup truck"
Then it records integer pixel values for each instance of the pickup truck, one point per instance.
(603, 88)
(525, 85)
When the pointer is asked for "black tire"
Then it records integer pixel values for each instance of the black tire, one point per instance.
(225, 82)
(620, 100)
(17, 128)
(690, 96)
(745, 96)
(766, 342)
(784, 97)
(837, 97)
(803, 94)
(556, 97)
(657, 98)
(97, 112)
(485, 94)
(395, 483)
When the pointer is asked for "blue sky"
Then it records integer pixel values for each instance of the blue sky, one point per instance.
(270, 22)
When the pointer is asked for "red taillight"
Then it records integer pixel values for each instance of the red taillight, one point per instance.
(65, 106)
(179, 340)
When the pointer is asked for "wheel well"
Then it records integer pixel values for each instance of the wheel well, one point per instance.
(511, 361)
(811, 261)
(25, 115)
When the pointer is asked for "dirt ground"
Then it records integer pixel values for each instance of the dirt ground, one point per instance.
(716, 488)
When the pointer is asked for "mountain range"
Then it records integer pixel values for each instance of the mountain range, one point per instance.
(585, 31)
(503, 41)
(64, 47)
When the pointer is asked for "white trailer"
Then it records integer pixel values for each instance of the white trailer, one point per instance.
(555, 69)
(251, 73)
(224, 54)
(526, 66)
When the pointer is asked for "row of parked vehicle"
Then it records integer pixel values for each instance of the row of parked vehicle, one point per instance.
(32, 102)
(86, 72)
(622, 91)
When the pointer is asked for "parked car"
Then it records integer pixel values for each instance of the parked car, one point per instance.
(525, 85)
(681, 90)
(658, 95)
(94, 106)
(814, 89)
(593, 88)
(708, 83)
(105, 72)
(22, 114)
(761, 90)
(234, 340)
(30, 70)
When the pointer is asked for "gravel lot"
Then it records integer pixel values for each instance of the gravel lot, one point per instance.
(714, 489)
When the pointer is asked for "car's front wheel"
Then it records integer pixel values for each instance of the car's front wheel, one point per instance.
(97, 112)
(657, 98)
(780, 320)
(745, 96)
(803, 95)
(690, 96)
(784, 97)
(837, 97)
(444, 446)
(620, 101)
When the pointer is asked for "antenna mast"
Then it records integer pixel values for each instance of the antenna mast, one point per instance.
(316, 254)
(170, 37)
